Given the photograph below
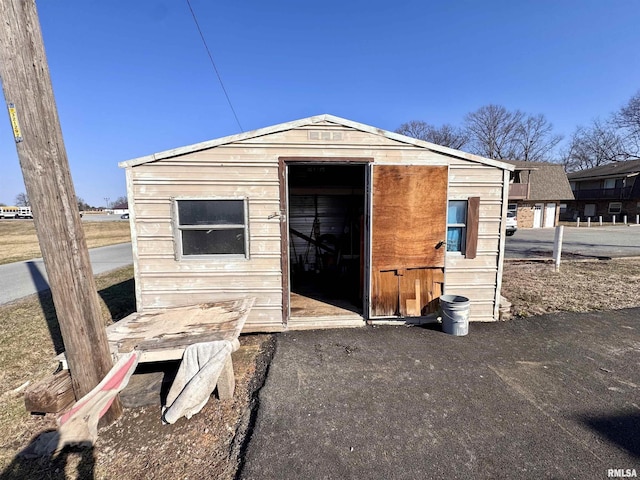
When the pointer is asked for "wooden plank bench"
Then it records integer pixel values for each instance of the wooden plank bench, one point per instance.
(160, 335)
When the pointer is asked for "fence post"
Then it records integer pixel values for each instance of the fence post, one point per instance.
(588, 221)
(557, 247)
(578, 222)
(624, 219)
(637, 219)
(613, 217)
(600, 218)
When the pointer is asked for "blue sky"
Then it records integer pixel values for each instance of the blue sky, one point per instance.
(132, 78)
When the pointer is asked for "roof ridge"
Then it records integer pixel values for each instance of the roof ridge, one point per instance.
(310, 121)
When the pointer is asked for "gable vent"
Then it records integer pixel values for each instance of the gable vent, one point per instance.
(325, 135)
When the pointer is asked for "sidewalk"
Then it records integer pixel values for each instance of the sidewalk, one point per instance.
(555, 396)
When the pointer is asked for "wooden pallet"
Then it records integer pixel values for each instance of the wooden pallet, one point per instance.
(160, 335)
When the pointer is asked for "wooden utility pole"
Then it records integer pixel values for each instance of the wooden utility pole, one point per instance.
(34, 118)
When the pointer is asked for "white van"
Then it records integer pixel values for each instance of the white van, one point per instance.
(24, 212)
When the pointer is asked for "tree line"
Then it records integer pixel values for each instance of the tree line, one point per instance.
(494, 132)
(22, 200)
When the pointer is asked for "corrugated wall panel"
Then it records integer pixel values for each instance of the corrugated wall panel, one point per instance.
(165, 282)
(476, 278)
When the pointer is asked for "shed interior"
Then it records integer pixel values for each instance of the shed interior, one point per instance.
(326, 238)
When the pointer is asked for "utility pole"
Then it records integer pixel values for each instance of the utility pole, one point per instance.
(34, 118)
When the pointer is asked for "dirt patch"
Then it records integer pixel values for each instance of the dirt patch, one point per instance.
(534, 288)
(139, 446)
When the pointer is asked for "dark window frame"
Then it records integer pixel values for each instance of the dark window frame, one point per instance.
(469, 233)
(462, 226)
(179, 229)
(615, 211)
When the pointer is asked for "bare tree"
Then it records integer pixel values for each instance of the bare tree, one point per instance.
(446, 135)
(82, 205)
(415, 128)
(120, 202)
(597, 144)
(22, 200)
(536, 139)
(627, 119)
(498, 133)
(493, 131)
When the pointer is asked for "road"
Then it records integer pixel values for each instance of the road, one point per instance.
(94, 217)
(20, 279)
(621, 241)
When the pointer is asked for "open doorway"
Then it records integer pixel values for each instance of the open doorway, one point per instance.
(325, 214)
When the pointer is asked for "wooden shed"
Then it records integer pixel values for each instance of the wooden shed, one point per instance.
(325, 221)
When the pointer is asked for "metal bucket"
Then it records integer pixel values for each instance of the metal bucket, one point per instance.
(455, 314)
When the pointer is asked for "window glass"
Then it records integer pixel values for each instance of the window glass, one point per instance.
(211, 227)
(590, 210)
(213, 242)
(454, 239)
(456, 225)
(211, 212)
(457, 212)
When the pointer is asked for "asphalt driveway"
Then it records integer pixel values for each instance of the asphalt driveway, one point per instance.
(555, 396)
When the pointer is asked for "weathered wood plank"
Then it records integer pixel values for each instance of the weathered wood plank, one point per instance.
(52, 395)
(179, 327)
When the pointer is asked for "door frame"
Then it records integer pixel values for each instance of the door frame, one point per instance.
(283, 177)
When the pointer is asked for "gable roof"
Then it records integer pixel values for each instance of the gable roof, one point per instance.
(547, 181)
(616, 169)
(310, 121)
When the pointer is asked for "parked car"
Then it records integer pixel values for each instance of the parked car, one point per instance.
(512, 223)
(124, 216)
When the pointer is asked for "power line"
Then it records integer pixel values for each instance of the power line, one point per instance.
(214, 65)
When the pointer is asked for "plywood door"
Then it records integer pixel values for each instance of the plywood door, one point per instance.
(408, 228)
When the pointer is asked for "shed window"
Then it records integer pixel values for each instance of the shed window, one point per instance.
(463, 219)
(456, 225)
(212, 227)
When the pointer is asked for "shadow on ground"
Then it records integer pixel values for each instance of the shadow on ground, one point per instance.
(55, 467)
(622, 430)
(119, 300)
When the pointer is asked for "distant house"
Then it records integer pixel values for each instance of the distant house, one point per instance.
(607, 191)
(120, 208)
(538, 191)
